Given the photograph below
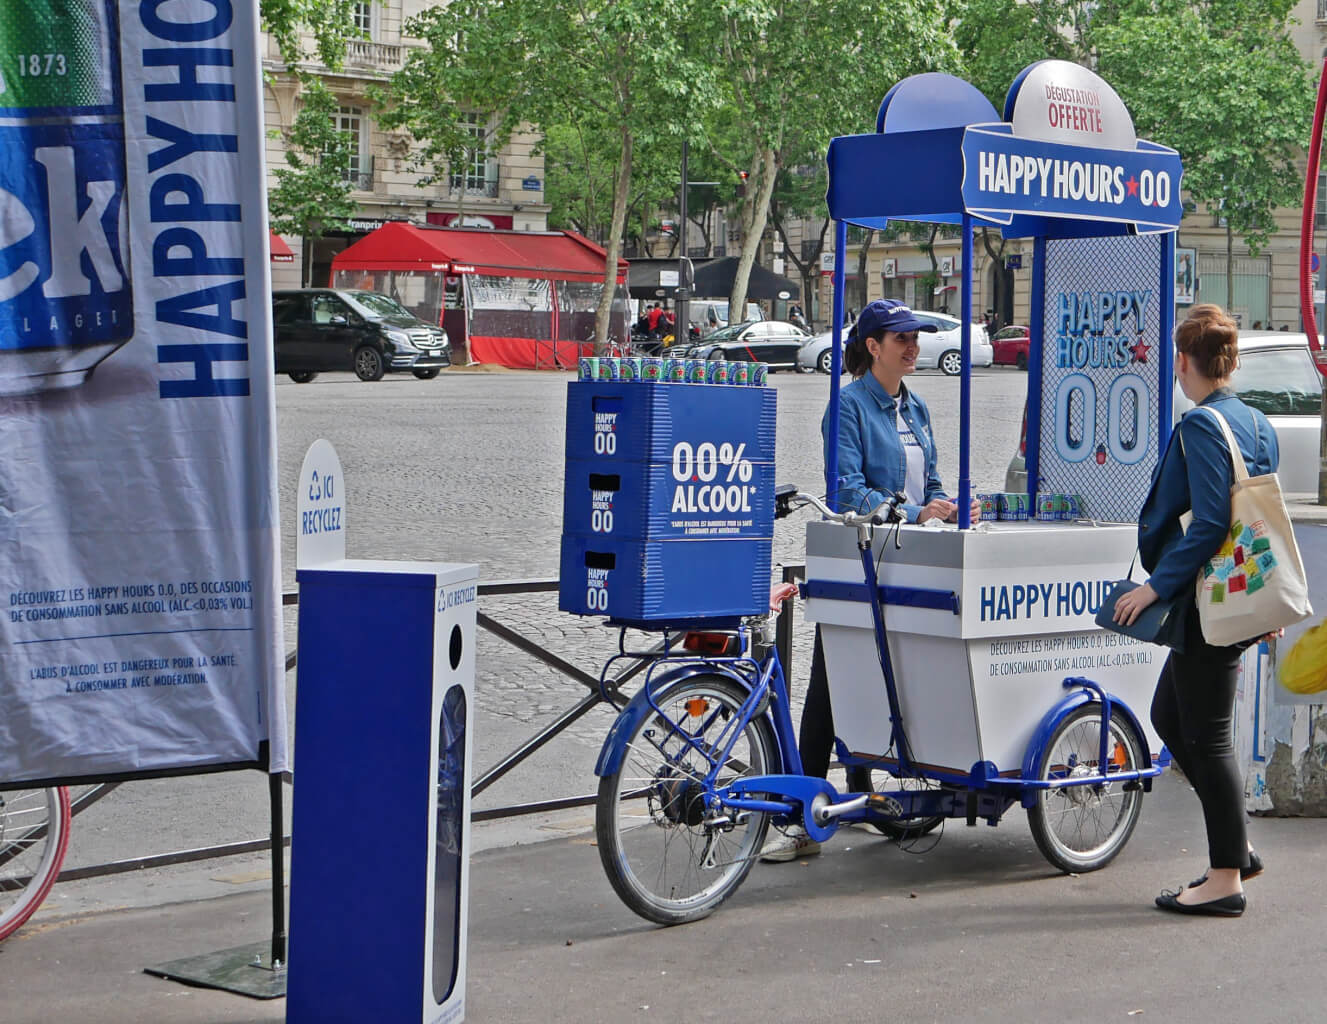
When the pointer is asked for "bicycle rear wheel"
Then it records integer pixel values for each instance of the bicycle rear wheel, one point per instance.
(664, 860)
(34, 836)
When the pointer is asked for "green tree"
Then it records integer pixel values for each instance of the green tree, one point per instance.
(618, 69)
(330, 23)
(1218, 80)
(312, 193)
(803, 71)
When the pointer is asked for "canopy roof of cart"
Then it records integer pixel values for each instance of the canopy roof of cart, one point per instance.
(1064, 162)
(546, 255)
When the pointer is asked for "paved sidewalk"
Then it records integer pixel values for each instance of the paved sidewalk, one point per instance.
(978, 929)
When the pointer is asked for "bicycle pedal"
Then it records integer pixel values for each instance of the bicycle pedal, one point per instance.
(882, 804)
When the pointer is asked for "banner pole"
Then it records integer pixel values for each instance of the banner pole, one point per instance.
(274, 789)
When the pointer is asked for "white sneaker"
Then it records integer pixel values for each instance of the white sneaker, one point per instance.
(789, 846)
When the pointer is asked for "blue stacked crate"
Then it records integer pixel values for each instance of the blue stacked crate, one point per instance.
(668, 501)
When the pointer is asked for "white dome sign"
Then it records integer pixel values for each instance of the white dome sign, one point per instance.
(1057, 101)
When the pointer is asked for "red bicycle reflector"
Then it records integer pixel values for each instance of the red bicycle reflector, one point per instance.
(697, 706)
(710, 643)
(1119, 758)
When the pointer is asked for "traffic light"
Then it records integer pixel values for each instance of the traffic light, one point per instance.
(741, 183)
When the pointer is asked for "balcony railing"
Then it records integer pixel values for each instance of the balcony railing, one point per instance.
(486, 188)
(364, 53)
(360, 176)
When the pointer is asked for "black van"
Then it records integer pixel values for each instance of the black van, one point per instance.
(319, 329)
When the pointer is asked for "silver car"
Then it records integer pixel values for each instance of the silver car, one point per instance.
(1276, 375)
(940, 349)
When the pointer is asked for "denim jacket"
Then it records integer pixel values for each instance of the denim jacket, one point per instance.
(872, 462)
(1195, 474)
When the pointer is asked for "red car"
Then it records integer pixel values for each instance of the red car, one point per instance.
(1011, 346)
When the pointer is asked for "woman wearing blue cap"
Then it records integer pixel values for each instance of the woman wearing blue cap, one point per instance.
(885, 445)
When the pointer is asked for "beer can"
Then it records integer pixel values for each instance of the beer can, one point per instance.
(759, 374)
(1048, 506)
(62, 194)
(989, 506)
(587, 368)
(610, 368)
(1012, 506)
(716, 371)
(1073, 507)
(695, 371)
(632, 368)
(739, 372)
(675, 370)
(652, 369)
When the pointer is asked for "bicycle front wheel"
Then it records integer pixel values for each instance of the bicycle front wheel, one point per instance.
(34, 836)
(666, 861)
(1082, 828)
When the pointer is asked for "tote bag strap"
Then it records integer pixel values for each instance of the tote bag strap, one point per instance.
(1236, 459)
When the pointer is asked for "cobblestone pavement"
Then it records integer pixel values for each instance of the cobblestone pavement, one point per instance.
(468, 467)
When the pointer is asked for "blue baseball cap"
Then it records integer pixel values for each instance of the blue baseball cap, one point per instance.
(888, 315)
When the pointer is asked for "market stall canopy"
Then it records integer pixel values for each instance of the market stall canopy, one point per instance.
(546, 255)
(715, 281)
(280, 250)
(655, 278)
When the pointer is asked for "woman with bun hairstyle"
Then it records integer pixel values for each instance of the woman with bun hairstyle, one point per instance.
(1194, 703)
(885, 446)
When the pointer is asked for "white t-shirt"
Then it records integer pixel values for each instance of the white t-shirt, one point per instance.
(915, 484)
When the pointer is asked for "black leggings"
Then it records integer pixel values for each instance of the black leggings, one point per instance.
(1192, 711)
(815, 738)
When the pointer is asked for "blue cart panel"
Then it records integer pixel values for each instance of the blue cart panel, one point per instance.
(647, 501)
(675, 423)
(664, 581)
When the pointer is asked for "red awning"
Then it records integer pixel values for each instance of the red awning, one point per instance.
(547, 255)
(280, 250)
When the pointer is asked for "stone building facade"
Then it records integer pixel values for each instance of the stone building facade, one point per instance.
(501, 189)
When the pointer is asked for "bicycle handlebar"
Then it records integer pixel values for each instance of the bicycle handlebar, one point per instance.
(888, 511)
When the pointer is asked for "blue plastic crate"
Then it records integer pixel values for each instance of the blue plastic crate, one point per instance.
(646, 501)
(665, 422)
(668, 581)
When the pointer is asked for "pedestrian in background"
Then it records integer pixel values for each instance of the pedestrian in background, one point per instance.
(1193, 709)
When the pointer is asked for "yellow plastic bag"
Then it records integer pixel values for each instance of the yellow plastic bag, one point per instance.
(1304, 667)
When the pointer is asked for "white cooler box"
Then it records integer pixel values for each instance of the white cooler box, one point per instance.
(974, 685)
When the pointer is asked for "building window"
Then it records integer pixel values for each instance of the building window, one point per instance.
(350, 122)
(362, 14)
(1320, 205)
(480, 175)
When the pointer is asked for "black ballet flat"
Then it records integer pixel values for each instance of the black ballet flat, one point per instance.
(1252, 871)
(1226, 906)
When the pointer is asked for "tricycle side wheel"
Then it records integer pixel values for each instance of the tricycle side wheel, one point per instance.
(664, 860)
(1082, 828)
(862, 779)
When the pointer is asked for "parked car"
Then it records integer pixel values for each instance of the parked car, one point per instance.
(322, 329)
(941, 349)
(1276, 375)
(711, 314)
(1010, 346)
(816, 352)
(775, 342)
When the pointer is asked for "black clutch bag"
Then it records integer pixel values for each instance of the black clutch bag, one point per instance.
(1161, 622)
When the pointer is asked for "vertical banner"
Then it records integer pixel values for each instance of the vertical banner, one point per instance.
(140, 585)
(1100, 373)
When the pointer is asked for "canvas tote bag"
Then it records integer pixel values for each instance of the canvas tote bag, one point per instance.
(1255, 582)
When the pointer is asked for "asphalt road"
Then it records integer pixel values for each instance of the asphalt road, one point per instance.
(468, 468)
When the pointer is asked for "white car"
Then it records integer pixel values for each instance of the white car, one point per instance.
(1276, 375)
(941, 349)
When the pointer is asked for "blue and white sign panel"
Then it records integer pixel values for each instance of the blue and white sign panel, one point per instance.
(1067, 148)
(138, 508)
(1100, 373)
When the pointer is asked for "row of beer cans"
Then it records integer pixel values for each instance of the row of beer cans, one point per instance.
(661, 369)
(1045, 506)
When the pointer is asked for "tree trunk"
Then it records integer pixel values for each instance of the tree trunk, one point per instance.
(863, 286)
(753, 227)
(603, 316)
(1230, 270)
